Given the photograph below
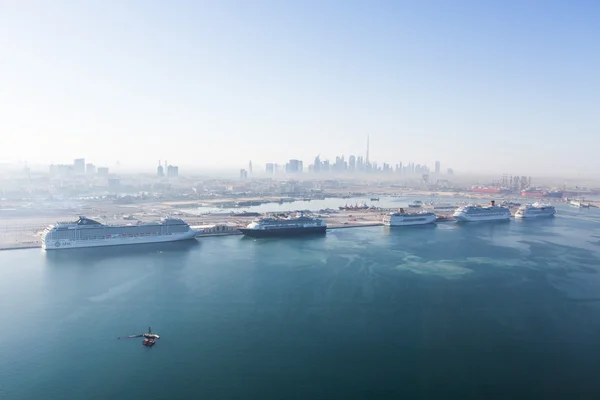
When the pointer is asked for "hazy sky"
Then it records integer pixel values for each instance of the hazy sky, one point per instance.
(507, 86)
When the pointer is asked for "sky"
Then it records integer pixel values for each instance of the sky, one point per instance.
(482, 86)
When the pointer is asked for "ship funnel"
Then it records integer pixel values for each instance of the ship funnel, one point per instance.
(492, 203)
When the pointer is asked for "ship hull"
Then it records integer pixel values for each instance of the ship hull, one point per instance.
(65, 244)
(538, 215)
(284, 232)
(461, 217)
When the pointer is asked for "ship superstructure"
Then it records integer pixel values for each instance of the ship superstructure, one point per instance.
(86, 232)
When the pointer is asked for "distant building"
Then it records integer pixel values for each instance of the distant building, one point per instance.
(293, 167)
(450, 171)
(437, 167)
(243, 174)
(172, 171)
(250, 166)
(79, 166)
(114, 184)
(160, 171)
(317, 164)
(270, 169)
(90, 169)
(352, 163)
(61, 169)
(102, 171)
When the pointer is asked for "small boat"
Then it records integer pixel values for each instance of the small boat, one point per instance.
(362, 206)
(149, 337)
(416, 204)
(374, 198)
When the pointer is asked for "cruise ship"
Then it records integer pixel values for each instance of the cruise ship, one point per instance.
(86, 232)
(473, 213)
(402, 218)
(441, 207)
(579, 204)
(535, 210)
(288, 226)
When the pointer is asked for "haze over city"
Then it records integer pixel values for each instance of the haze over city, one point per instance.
(271, 199)
(486, 87)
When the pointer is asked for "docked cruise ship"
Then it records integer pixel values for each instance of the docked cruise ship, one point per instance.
(473, 213)
(87, 232)
(579, 204)
(535, 210)
(402, 218)
(441, 207)
(288, 226)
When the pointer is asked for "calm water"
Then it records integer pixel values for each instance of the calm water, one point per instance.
(490, 310)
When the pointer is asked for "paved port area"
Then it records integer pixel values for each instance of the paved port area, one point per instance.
(22, 227)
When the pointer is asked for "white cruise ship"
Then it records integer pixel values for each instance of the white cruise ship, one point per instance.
(473, 213)
(86, 232)
(289, 226)
(406, 219)
(535, 210)
(441, 207)
(579, 204)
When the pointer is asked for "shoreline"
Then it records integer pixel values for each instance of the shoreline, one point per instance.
(19, 247)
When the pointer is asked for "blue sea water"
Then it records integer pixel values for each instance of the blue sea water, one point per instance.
(484, 310)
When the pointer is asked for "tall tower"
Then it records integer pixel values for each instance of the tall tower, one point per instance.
(367, 160)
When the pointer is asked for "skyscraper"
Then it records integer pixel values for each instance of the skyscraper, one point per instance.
(172, 171)
(250, 166)
(294, 166)
(79, 165)
(351, 163)
(367, 159)
(437, 167)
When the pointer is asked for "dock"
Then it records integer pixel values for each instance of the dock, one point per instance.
(19, 233)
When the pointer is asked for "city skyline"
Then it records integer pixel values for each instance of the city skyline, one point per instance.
(493, 87)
